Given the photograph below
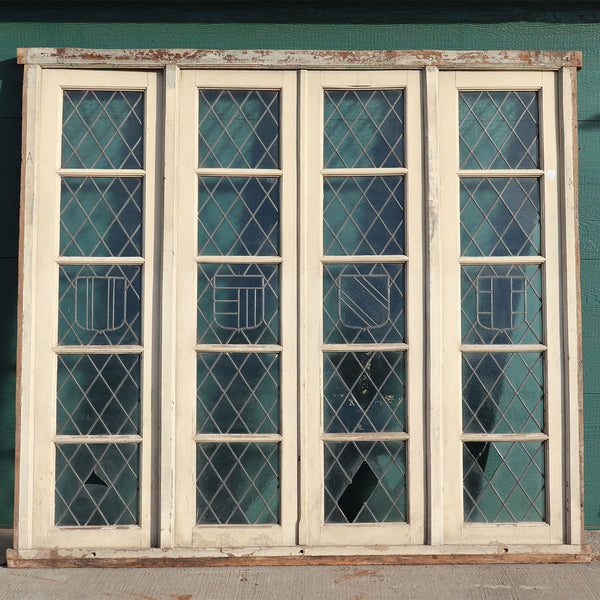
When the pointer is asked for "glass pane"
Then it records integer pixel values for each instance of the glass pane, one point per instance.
(504, 482)
(363, 215)
(365, 482)
(238, 215)
(500, 216)
(502, 304)
(96, 484)
(238, 393)
(364, 128)
(363, 391)
(102, 129)
(238, 129)
(98, 394)
(101, 216)
(499, 130)
(503, 393)
(363, 303)
(237, 483)
(99, 304)
(238, 304)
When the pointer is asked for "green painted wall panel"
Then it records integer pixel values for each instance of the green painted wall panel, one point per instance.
(305, 26)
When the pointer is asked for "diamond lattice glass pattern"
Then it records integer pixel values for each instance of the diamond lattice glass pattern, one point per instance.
(364, 128)
(99, 304)
(502, 304)
(98, 394)
(238, 393)
(101, 216)
(102, 129)
(363, 303)
(363, 392)
(504, 482)
(363, 215)
(500, 216)
(238, 304)
(503, 393)
(238, 215)
(96, 484)
(365, 482)
(237, 483)
(499, 130)
(238, 129)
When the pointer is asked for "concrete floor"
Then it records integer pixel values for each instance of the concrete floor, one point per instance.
(455, 582)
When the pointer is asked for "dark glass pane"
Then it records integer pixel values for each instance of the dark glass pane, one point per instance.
(237, 483)
(238, 129)
(238, 304)
(96, 484)
(499, 130)
(363, 303)
(502, 304)
(365, 482)
(364, 128)
(98, 394)
(99, 304)
(500, 216)
(504, 482)
(503, 393)
(102, 129)
(238, 216)
(238, 393)
(363, 392)
(101, 216)
(363, 215)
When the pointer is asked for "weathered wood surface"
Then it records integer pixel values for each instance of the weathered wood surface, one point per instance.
(295, 59)
(53, 559)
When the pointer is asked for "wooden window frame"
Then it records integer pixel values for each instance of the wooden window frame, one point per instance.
(170, 538)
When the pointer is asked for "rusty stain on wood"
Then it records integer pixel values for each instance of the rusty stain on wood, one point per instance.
(281, 59)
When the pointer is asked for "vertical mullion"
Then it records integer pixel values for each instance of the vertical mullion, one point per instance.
(450, 395)
(310, 282)
(567, 77)
(26, 341)
(551, 305)
(433, 316)
(168, 328)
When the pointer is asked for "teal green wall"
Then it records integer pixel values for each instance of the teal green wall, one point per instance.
(518, 25)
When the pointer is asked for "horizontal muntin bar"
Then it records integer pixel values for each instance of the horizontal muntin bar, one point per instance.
(504, 437)
(364, 258)
(296, 59)
(501, 260)
(486, 173)
(101, 172)
(100, 260)
(237, 437)
(97, 439)
(234, 260)
(364, 347)
(99, 349)
(238, 348)
(503, 348)
(224, 172)
(364, 172)
(387, 436)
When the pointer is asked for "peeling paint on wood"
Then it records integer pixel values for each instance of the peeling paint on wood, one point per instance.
(297, 59)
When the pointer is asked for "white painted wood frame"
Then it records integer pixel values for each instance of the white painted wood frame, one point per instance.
(550, 531)
(168, 437)
(187, 532)
(314, 531)
(42, 345)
